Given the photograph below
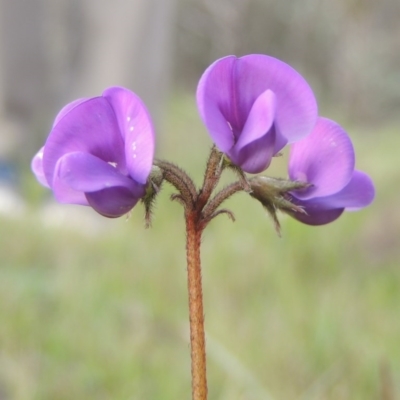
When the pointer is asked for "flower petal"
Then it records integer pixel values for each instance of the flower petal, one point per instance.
(89, 127)
(37, 168)
(64, 193)
(66, 109)
(325, 158)
(137, 130)
(296, 106)
(254, 150)
(214, 101)
(359, 193)
(256, 156)
(86, 173)
(112, 202)
(316, 213)
(259, 120)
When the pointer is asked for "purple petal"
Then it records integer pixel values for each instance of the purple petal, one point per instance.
(137, 130)
(361, 190)
(259, 120)
(112, 202)
(64, 193)
(214, 101)
(296, 108)
(325, 158)
(359, 193)
(280, 141)
(37, 167)
(86, 173)
(66, 109)
(90, 127)
(256, 156)
(254, 150)
(317, 214)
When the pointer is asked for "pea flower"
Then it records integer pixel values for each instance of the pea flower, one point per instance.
(99, 152)
(253, 106)
(325, 159)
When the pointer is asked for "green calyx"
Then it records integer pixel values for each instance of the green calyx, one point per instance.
(274, 195)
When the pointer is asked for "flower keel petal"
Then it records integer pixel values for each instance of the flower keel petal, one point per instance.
(112, 202)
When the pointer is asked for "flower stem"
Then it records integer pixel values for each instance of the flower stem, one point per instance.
(196, 314)
(199, 211)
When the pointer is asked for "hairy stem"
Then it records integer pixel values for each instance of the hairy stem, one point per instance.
(180, 180)
(199, 211)
(211, 177)
(196, 313)
(220, 197)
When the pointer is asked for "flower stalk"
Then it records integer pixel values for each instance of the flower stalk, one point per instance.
(200, 209)
(196, 313)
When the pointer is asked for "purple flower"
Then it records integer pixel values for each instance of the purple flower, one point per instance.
(325, 159)
(99, 152)
(253, 106)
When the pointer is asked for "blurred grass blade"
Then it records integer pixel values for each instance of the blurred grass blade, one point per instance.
(239, 373)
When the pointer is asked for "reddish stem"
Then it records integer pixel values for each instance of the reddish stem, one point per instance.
(199, 211)
(196, 313)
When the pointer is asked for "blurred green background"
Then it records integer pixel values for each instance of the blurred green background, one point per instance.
(92, 308)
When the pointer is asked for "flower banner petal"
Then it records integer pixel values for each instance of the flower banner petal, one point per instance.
(137, 130)
(296, 108)
(214, 101)
(89, 127)
(325, 158)
(66, 109)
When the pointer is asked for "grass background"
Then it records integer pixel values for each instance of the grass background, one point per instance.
(92, 308)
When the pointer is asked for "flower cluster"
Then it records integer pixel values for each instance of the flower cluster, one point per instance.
(100, 150)
(253, 106)
(100, 153)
